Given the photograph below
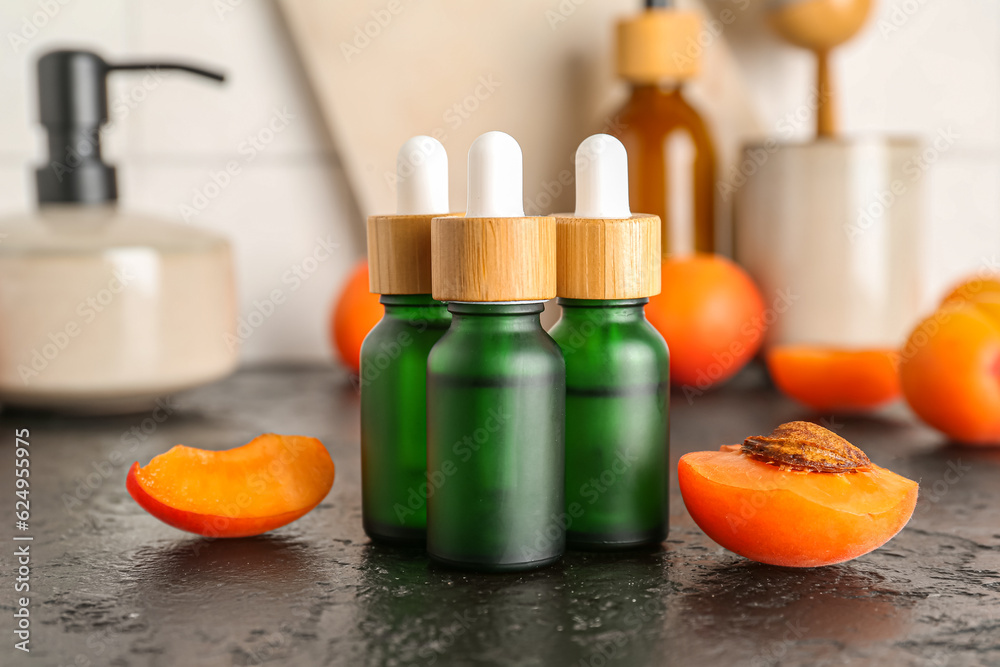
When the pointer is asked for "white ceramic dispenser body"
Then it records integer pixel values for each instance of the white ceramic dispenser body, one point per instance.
(104, 312)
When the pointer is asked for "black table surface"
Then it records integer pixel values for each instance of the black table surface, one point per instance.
(111, 585)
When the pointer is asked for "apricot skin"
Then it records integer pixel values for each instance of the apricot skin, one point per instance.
(950, 373)
(793, 519)
(266, 484)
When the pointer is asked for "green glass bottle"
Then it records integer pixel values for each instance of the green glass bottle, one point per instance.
(393, 373)
(617, 364)
(495, 380)
(617, 390)
(496, 396)
(394, 413)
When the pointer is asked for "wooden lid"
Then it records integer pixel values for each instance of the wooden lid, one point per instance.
(494, 259)
(617, 258)
(659, 44)
(399, 254)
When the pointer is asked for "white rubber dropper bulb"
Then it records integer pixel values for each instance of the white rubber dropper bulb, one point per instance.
(495, 176)
(602, 178)
(422, 177)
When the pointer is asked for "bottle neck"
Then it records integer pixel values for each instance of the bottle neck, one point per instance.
(663, 90)
(604, 311)
(491, 316)
(413, 307)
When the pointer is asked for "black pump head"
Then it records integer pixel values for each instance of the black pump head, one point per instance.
(73, 105)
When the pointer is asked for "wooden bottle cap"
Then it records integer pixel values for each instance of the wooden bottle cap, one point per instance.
(657, 45)
(399, 254)
(608, 258)
(493, 259)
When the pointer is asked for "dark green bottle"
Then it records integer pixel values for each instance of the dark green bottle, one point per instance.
(617, 390)
(495, 398)
(394, 414)
(617, 364)
(496, 380)
(394, 354)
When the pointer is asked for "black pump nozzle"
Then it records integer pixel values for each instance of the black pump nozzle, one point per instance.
(73, 105)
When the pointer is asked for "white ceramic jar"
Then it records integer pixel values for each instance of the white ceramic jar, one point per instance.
(833, 232)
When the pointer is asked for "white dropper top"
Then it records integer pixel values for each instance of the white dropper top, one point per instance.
(495, 177)
(602, 178)
(422, 177)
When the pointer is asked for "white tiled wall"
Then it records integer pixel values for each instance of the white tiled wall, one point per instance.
(940, 69)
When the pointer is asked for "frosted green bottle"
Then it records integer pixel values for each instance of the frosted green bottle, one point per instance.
(617, 364)
(393, 375)
(394, 414)
(495, 380)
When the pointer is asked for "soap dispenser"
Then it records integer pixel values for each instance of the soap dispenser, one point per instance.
(393, 377)
(496, 382)
(617, 364)
(103, 310)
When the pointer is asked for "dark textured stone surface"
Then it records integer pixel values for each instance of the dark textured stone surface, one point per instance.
(113, 586)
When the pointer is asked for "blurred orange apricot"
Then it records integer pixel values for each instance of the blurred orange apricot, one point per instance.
(835, 380)
(950, 370)
(355, 313)
(712, 316)
(973, 288)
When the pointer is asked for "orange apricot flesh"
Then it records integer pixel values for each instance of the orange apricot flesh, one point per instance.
(835, 380)
(791, 518)
(265, 484)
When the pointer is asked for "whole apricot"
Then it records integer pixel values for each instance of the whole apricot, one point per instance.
(711, 314)
(950, 371)
(973, 288)
(355, 313)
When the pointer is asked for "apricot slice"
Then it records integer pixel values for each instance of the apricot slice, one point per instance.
(265, 484)
(793, 518)
(835, 380)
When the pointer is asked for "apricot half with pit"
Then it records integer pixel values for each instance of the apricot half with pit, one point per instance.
(265, 484)
(801, 497)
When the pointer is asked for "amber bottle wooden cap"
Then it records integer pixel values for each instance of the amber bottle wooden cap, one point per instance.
(659, 44)
(607, 258)
(494, 259)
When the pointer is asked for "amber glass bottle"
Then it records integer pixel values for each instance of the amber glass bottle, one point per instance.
(668, 143)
